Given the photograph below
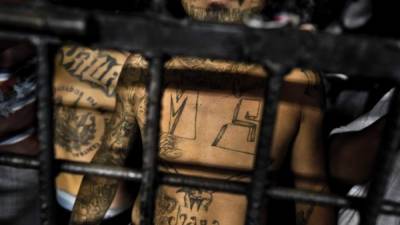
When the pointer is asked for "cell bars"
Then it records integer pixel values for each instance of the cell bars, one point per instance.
(149, 34)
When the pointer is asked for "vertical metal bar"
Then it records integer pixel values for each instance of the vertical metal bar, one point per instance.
(45, 128)
(151, 141)
(385, 160)
(262, 160)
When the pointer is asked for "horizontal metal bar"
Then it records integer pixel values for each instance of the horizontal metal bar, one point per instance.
(19, 161)
(388, 207)
(311, 197)
(20, 36)
(288, 47)
(371, 57)
(205, 183)
(44, 19)
(100, 170)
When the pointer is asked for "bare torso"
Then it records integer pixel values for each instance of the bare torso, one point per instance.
(211, 113)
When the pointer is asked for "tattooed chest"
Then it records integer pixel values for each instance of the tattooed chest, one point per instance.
(194, 120)
(191, 210)
(187, 219)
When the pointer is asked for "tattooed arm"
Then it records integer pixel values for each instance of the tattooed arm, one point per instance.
(308, 160)
(97, 193)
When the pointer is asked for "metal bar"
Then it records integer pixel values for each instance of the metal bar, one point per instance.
(19, 161)
(45, 135)
(100, 170)
(388, 207)
(48, 20)
(320, 51)
(262, 161)
(283, 193)
(385, 160)
(10, 35)
(205, 183)
(240, 43)
(151, 141)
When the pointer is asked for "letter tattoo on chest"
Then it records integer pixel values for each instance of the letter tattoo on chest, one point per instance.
(170, 212)
(95, 67)
(196, 198)
(182, 122)
(245, 121)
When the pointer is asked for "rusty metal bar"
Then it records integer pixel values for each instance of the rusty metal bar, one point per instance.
(151, 141)
(45, 135)
(262, 160)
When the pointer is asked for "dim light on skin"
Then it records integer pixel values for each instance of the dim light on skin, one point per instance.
(222, 10)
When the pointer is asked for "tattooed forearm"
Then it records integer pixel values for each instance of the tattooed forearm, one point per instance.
(96, 194)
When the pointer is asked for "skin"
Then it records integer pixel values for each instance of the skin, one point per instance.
(222, 10)
(84, 94)
(211, 120)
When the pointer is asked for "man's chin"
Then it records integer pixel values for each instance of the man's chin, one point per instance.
(222, 16)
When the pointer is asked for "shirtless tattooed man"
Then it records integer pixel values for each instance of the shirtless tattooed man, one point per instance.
(211, 118)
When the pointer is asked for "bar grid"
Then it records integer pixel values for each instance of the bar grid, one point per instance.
(259, 180)
(45, 129)
(46, 23)
(151, 140)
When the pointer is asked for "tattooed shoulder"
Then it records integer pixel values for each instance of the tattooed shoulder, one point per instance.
(219, 66)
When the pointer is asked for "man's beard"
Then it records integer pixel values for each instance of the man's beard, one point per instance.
(219, 14)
